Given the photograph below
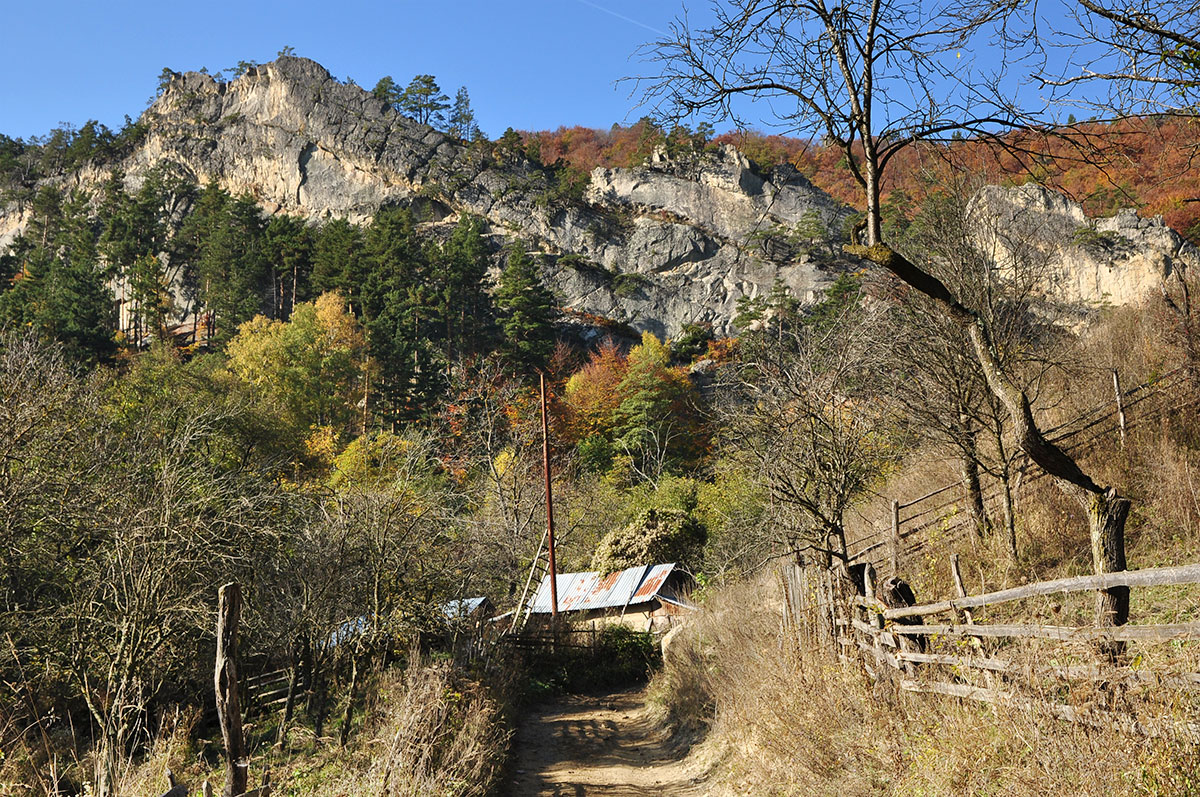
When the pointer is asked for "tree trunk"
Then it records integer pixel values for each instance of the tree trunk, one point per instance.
(971, 483)
(318, 704)
(874, 229)
(1010, 512)
(1106, 510)
(348, 716)
(1107, 513)
(106, 769)
(229, 712)
(289, 705)
(1006, 492)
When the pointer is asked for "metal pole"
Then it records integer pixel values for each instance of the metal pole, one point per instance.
(549, 507)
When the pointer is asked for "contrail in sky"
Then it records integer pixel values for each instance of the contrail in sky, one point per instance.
(622, 16)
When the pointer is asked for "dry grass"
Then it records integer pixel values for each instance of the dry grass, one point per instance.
(431, 733)
(794, 724)
(426, 730)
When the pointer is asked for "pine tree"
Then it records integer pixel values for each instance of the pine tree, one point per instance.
(288, 243)
(387, 90)
(424, 101)
(462, 118)
(62, 291)
(526, 312)
(221, 244)
(339, 263)
(150, 297)
(402, 317)
(76, 309)
(460, 273)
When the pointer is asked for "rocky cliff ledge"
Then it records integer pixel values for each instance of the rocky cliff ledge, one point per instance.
(1116, 260)
(657, 247)
(660, 246)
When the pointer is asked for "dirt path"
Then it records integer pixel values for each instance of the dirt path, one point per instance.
(598, 746)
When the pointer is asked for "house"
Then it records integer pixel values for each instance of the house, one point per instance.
(467, 625)
(645, 597)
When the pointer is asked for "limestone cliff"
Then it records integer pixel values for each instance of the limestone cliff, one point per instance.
(659, 246)
(1090, 262)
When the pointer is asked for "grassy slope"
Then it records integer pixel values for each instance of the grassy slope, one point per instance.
(792, 723)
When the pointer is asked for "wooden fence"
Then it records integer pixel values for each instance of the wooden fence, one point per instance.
(908, 524)
(960, 656)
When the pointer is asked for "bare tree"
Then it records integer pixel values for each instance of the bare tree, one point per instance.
(168, 530)
(378, 557)
(837, 64)
(870, 77)
(1126, 57)
(501, 448)
(803, 411)
(1002, 274)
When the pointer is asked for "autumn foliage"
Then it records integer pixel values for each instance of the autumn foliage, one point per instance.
(1144, 163)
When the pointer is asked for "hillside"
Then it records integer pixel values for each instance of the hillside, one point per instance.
(631, 227)
(1146, 164)
(301, 143)
(296, 391)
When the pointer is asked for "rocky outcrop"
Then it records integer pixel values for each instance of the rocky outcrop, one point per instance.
(657, 247)
(673, 242)
(1117, 260)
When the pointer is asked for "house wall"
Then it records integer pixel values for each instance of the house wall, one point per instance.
(654, 616)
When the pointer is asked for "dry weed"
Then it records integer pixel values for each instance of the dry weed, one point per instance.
(790, 723)
(427, 730)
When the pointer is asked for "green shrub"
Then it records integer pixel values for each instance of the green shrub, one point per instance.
(626, 656)
(619, 657)
(626, 284)
(595, 454)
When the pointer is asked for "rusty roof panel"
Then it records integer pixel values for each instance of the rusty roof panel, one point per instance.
(652, 584)
(579, 592)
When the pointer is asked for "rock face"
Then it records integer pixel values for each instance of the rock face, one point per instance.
(1116, 260)
(657, 247)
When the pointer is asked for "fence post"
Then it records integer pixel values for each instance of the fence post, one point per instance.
(895, 538)
(960, 589)
(1120, 404)
(225, 677)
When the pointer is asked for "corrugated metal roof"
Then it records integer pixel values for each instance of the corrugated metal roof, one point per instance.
(462, 608)
(578, 592)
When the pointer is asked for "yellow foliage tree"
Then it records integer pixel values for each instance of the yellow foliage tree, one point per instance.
(310, 367)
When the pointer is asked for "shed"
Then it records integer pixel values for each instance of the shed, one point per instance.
(644, 597)
(468, 609)
(467, 625)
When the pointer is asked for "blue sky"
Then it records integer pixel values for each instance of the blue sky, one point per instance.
(531, 64)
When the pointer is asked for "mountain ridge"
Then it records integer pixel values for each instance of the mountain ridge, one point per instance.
(676, 241)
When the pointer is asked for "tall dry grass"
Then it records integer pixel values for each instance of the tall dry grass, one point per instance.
(791, 722)
(426, 730)
(430, 732)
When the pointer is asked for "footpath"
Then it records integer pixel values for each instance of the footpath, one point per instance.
(580, 745)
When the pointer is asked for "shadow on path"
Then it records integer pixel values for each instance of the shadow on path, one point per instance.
(598, 745)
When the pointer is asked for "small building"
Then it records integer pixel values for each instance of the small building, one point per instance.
(467, 625)
(644, 598)
(468, 610)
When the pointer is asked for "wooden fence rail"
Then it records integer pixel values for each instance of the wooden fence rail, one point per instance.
(1150, 577)
(894, 644)
(824, 613)
(1151, 399)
